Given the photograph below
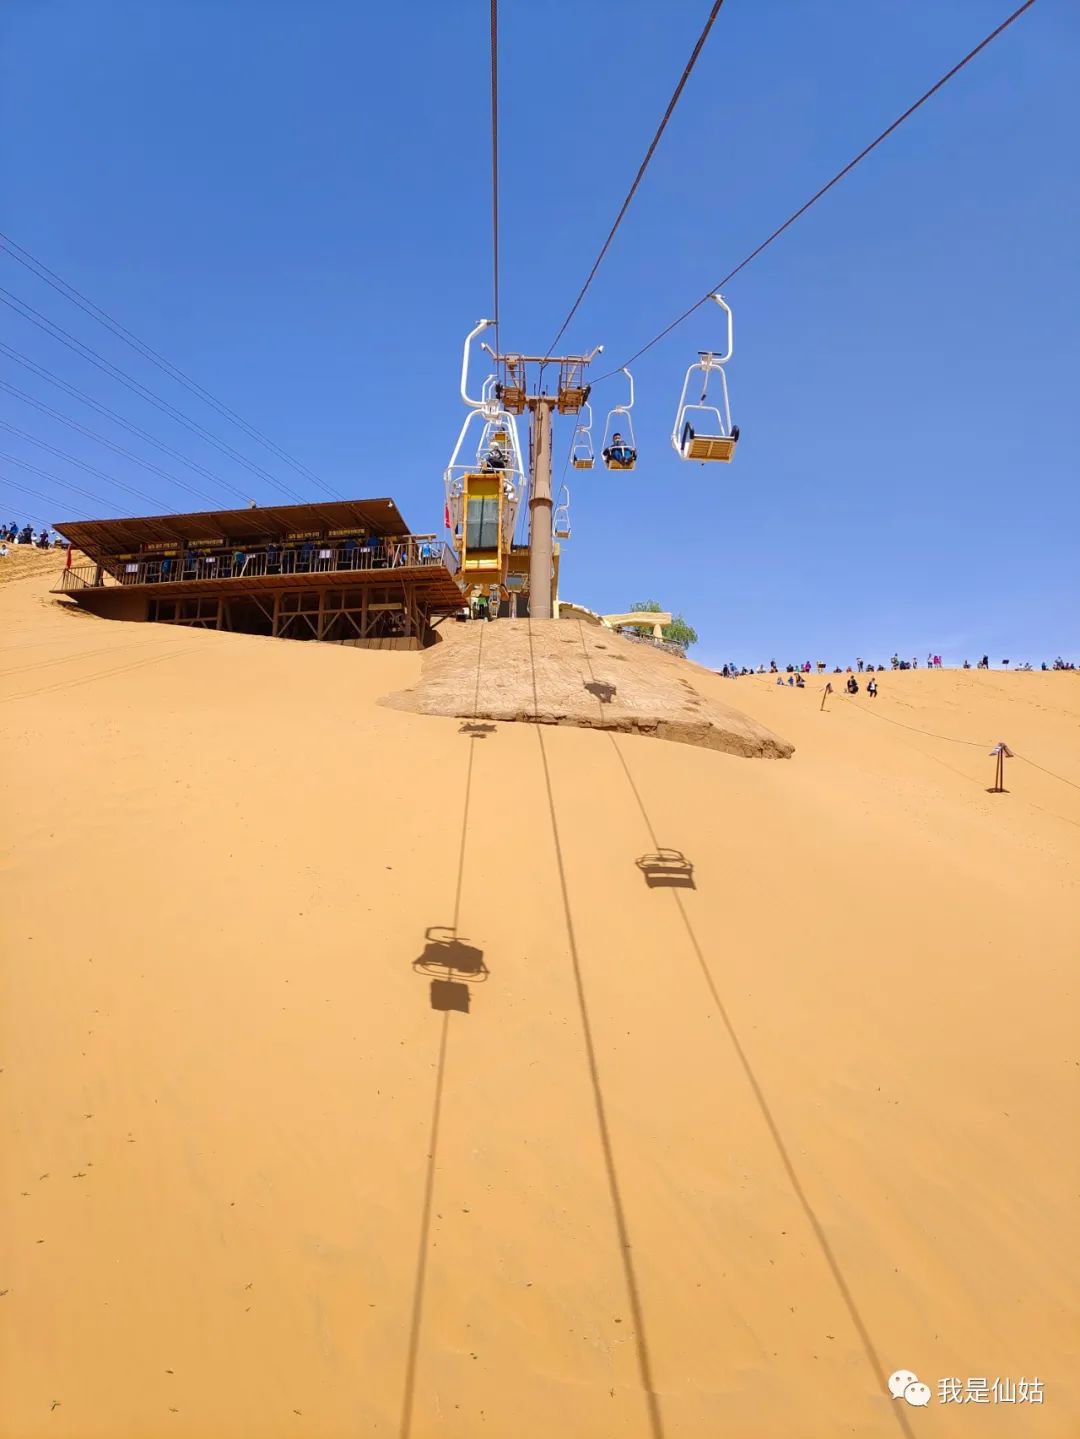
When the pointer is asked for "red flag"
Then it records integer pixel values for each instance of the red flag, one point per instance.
(446, 516)
(67, 562)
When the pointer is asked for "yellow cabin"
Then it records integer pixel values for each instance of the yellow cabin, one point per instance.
(482, 550)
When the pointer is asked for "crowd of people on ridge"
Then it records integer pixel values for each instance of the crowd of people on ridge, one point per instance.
(13, 534)
(861, 666)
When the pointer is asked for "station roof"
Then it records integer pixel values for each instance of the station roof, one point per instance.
(256, 524)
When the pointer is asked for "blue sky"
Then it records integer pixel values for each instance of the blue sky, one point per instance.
(291, 203)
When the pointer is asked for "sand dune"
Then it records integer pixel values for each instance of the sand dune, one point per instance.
(697, 1161)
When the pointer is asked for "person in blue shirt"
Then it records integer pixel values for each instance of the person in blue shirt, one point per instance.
(620, 451)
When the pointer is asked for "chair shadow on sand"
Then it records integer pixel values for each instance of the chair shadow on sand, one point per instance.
(475, 730)
(602, 690)
(452, 964)
(667, 869)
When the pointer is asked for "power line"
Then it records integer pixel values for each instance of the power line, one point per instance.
(85, 352)
(119, 449)
(495, 162)
(63, 287)
(641, 169)
(26, 490)
(57, 479)
(840, 174)
(74, 460)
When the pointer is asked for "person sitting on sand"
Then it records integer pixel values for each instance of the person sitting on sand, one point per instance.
(852, 685)
(4, 555)
(871, 689)
(791, 679)
(800, 683)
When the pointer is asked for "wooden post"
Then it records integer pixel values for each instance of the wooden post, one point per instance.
(1002, 752)
(825, 694)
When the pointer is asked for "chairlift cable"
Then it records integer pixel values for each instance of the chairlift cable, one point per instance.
(840, 174)
(495, 164)
(641, 172)
(86, 352)
(63, 287)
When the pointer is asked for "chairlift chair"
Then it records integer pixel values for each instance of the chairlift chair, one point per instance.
(717, 436)
(483, 497)
(614, 426)
(581, 452)
(560, 523)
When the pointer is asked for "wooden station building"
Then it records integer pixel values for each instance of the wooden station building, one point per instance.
(345, 571)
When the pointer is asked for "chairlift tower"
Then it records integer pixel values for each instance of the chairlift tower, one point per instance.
(515, 393)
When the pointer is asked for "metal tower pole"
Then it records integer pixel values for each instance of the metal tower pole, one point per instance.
(540, 542)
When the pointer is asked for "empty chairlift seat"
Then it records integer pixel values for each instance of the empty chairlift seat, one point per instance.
(703, 431)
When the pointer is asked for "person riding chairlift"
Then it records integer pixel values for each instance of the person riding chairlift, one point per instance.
(495, 459)
(619, 451)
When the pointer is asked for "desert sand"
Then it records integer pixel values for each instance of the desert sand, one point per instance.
(696, 1161)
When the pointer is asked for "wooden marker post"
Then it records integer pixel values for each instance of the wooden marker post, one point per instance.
(1002, 751)
(825, 694)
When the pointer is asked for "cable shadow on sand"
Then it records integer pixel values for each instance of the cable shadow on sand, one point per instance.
(452, 964)
(656, 1427)
(827, 1251)
(420, 1284)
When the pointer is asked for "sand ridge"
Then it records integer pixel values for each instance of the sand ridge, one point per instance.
(695, 1161)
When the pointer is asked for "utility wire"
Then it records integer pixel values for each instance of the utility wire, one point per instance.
(26, 490)
(80, 464)
(119, 449)
(59, 480)
(37, 267)
(495, 162)
(114, 372)
(641, 170)
(840, 174)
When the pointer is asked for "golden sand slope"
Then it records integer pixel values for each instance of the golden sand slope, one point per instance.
(698, 1162)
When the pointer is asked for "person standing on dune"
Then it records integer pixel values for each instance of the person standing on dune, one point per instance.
(871, 689)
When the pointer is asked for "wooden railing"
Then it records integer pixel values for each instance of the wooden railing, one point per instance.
(243, 562)
(83, 577)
